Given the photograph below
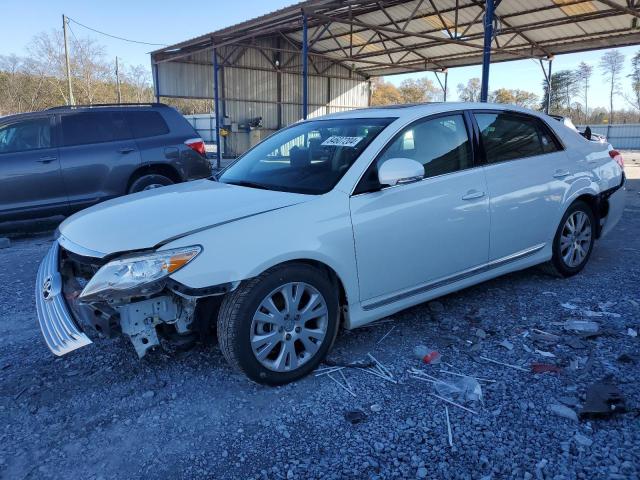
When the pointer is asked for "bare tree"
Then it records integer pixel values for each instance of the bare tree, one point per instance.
(611, 64)
(139, 80)
(583, 75)
(634, 98)
(469, 92)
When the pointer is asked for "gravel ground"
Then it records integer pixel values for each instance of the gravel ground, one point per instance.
(101, 413)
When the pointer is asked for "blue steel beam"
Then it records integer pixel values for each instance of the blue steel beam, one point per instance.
(486, 52)
(216, 105)
(305, 55)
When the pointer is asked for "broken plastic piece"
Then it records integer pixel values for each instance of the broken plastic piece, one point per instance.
(506, 344)
(563, 411)
(355, 416)
(427, 355)
(545, 367)
(463, 389)
(603, 400)
(585, 326)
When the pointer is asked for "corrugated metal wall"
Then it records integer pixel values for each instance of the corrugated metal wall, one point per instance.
(623, 136)
(252, 87)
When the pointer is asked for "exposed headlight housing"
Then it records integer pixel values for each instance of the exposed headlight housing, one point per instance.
(133, 275)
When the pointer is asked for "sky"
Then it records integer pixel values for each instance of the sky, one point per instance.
(168, 22)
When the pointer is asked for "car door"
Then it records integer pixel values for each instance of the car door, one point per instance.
(97, 156)
(528, 175)
(30, 179)
(424, 232)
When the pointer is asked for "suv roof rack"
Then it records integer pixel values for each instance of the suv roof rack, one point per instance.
(98, 105)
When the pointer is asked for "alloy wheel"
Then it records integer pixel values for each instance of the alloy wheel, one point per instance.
(575, 239)
(289, 326)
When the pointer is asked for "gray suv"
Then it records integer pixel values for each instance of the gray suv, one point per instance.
(67, 158)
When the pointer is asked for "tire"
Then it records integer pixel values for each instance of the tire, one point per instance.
(562, 263)
(150, 181)
(286, 357)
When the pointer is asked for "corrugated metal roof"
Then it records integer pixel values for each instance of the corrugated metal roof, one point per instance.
(391, 36)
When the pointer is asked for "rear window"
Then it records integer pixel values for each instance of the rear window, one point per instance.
(508, 136)
(93, 127)
(146, 124)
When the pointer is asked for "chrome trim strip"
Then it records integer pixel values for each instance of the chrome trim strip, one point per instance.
(58, 328)
(455, 277)
(78, 249)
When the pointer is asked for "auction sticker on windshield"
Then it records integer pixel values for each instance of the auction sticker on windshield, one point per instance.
(339, 141)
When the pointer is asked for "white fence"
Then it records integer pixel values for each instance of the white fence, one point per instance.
(622, 136)
(205, 125)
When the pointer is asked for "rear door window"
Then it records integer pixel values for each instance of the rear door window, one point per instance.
(508, 136)
(83, 128)
(26, 135)
(146, 124)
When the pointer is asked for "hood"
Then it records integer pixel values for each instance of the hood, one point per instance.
(146, 219)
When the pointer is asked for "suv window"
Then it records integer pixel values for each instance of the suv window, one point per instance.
(93, 127)
(146, 124)
(441, 144)
(26, 135)
(507, 136)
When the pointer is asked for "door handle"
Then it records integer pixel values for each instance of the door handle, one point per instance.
(561, 173)
(472, 195)
(47, 159)
(126, 150)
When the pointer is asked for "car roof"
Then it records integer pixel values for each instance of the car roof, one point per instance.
(411, 110)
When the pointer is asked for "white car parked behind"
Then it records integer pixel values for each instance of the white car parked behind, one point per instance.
(339, 220)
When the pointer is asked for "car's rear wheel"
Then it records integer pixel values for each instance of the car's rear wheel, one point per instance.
(279, 326)
(574, 240)
(149, 182)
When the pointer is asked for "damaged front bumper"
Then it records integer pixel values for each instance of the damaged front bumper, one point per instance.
(68, 324)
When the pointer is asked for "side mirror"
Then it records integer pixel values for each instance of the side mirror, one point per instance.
(587, 133)
(398, 171)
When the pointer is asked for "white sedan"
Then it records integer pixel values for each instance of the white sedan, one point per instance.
(335, 221)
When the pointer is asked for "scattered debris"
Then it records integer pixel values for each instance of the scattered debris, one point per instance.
(355, 416)
(585, 326)
(506, 344)
(464, 389)
(380, 370)
(327, 371)
(545, 354)
(603, 400)
(543, 337)
(480, 333)
(449, 433)
(376, 408)
(427, 355)
(628, 358)
(454, 404)
(386, 334)
(632, 332)
(569, 306)
(575, 343)
(463, 375)
(563, 411)
(582, 440)
(503, 364)
(344, 387)
(544, 368)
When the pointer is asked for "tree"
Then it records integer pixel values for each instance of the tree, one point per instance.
(417, 91)
(563, 87)
(583, 75)
(469, 92)
(518, 97)
(384, 93)
(634, 99)
(611, 64)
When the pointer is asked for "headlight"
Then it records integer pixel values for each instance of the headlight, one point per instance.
(123, 275)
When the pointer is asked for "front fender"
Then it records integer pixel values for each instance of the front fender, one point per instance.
(318, 230)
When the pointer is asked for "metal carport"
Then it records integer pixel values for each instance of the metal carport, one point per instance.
(320, 53)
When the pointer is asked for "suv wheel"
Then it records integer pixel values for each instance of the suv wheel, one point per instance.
(574, 240)
(279, 326)
(149, 182)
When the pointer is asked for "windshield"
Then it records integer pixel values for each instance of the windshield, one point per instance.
(309, 157)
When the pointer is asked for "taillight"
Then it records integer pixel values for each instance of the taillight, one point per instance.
(196, 144)
(617, 157)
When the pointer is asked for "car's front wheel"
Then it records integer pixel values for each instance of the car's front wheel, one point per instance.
(279, 326)
(574, 240)
(149, 182)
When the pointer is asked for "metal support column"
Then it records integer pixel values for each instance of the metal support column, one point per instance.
(548, 105)
(156, 87)
(216, 107)
(446, 78)
(486, 53)
(305, 54)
